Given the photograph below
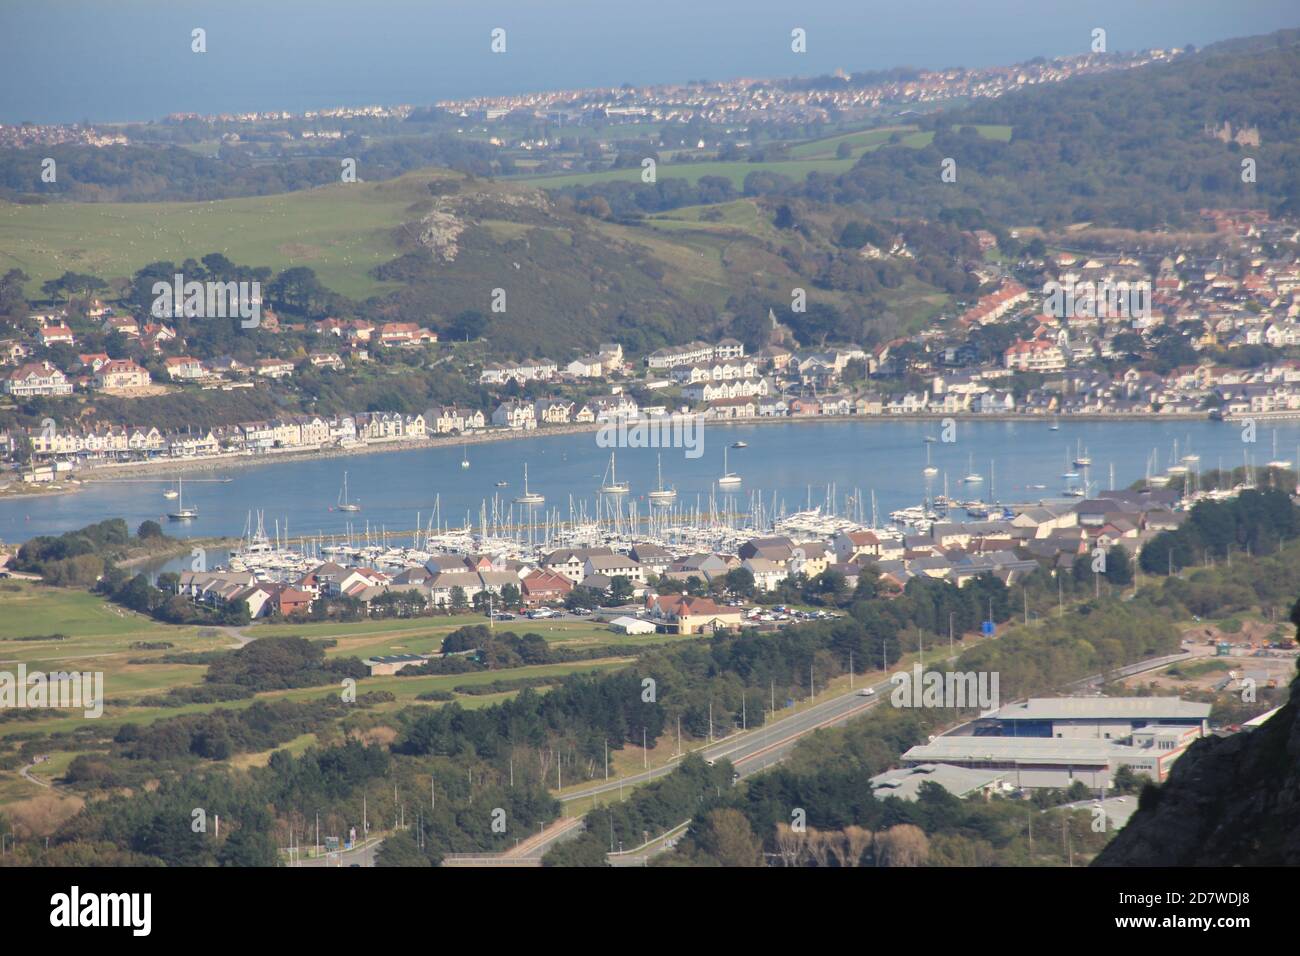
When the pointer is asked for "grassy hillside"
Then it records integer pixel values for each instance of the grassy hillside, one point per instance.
(342, 231)
(571, 280)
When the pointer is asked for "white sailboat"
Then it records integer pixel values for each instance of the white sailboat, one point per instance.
(613, 486)
(972, 477)
(529, 497)
(729, 478)
(929, 470)
(182, 513)
(1177, 468)
(344, 504)
(464, 457)
(1070, 476)
(1278, 463)
(661, 495)
(171, 494)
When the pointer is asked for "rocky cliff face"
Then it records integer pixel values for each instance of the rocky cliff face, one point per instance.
(1229, 801)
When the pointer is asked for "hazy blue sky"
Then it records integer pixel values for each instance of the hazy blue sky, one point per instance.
(64, 60)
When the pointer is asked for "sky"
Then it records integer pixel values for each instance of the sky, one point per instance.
(113, 60)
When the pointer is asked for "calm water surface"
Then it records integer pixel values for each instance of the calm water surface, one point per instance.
(794, 463)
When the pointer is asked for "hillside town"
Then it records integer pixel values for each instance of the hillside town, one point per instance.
(842, 95)
(1108, 333)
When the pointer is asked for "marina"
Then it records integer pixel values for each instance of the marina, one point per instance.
(864, 472)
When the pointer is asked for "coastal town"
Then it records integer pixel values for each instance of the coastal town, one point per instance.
(844, 438)
(1114, 334)
(737, 102)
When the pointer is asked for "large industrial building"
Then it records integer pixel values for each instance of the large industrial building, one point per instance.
(1054, 742)
(1103, 718)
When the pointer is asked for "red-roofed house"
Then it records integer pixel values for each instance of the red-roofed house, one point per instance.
(545, 587)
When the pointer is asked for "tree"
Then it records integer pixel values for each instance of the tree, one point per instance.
(725, 838)
(458, 602)
(740, 582)
(586, 850)
(465, 326)
(250, 845)
(1125, 780)
(297, 290)
(149, 529)
(903, 845)
(620, 590)
(400, 849)
(581, 598)
(1119, 569)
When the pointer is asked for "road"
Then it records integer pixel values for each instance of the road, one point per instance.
(749, 751)
(362, 855)
(753, 750)
(759, 749)
(238, 636)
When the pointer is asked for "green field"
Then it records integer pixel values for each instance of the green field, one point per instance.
(99, 635)
(341, 231)
(813, 156)
(734, 171)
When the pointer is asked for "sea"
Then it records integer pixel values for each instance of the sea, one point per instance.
(785, 467)
(134, 60)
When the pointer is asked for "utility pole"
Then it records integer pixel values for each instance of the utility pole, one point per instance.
(951, 643)
(645, 753)
(850, 670)
(606, 758)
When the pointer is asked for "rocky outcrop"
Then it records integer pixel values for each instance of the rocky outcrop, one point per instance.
(1229, 801)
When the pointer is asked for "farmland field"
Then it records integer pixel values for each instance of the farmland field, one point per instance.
(97, 637)
(341, 231)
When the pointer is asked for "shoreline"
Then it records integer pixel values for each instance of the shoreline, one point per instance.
(164, 469)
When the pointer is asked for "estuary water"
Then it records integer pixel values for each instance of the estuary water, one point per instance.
(790, 465)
